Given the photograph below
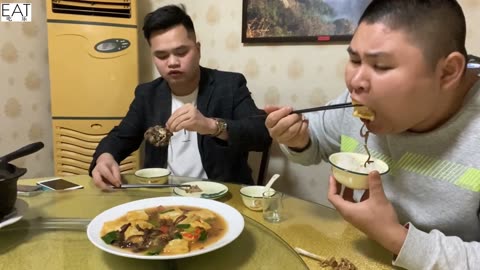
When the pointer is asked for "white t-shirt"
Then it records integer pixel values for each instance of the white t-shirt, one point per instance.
(183, 154)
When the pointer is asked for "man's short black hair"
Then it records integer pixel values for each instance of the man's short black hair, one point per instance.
(437, 27)
(165, 18)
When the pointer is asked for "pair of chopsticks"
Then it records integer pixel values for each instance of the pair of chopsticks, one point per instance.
(123, 186)
(321, 108)
(328, 107)
(69, 224)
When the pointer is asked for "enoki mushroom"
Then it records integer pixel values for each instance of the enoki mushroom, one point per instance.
(365, 136)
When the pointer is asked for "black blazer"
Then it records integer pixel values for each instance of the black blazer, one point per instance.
(222, 95)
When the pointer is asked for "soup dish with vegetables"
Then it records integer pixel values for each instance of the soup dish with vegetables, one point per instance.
(164, 230)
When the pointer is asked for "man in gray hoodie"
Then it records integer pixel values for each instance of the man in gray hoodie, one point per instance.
(408, 65)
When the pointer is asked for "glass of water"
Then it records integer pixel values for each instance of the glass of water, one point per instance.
(272, 206)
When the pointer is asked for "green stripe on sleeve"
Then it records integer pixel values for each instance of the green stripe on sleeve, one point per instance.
(470, 180)
(348, 144)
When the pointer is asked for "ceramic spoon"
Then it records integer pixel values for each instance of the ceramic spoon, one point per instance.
(271, 181)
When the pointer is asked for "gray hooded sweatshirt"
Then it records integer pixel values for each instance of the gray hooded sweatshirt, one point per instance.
(434, 182)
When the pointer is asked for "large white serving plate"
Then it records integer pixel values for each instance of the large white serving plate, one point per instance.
(234, 220)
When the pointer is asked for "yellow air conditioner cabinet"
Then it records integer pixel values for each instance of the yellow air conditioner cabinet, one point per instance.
(93, 60)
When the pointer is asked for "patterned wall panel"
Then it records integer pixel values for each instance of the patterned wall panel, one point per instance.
(24, 90)
(296, 75)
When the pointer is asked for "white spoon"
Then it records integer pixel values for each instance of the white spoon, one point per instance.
(270, 182)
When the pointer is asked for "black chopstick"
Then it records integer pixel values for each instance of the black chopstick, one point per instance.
(328, 107)
(321, 108)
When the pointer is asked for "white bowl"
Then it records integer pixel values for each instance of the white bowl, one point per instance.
(252, 196)
(348, 168)
(153, 175)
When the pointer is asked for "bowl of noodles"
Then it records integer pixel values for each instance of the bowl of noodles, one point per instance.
(352, 169)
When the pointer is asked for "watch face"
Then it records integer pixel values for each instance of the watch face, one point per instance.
(221, 126)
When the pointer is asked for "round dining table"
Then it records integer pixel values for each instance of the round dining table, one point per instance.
(51, 233)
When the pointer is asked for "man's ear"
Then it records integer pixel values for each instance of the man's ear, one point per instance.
(452, 70)
(199, 46)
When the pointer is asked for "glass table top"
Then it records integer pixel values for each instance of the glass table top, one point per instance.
(52, 232)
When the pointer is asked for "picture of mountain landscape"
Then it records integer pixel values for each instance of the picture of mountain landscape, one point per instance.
(300, 20)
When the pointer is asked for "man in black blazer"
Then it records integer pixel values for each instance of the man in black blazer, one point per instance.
(212, 109)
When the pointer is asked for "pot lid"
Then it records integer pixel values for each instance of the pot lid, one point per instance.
(11, 172)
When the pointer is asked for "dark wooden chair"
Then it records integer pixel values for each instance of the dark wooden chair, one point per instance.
(263, 166)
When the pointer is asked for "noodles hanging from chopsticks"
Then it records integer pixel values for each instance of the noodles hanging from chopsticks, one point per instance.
(365, 136)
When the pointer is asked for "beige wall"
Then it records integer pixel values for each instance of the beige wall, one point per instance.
(300, 76)
(24, 90)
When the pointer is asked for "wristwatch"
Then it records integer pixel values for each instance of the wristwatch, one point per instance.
(221, 126)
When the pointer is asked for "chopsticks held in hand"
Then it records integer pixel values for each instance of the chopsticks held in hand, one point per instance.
(327, 107)
(321, 108)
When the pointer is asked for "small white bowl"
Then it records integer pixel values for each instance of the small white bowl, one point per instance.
(348, 169)
(153, 175)
(252, 196)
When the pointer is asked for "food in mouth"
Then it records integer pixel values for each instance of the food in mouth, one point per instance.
(158, 136)
(363, 112)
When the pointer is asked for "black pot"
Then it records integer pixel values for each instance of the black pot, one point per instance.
(9, 175)
(8, 188)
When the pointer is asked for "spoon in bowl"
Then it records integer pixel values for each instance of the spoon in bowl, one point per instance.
(270, 182)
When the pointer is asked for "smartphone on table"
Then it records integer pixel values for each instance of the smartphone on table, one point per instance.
(58, 184)
(28, 190)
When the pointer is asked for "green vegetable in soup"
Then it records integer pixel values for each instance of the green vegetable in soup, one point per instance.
(110, 237)
(177, 236)
(183, 226)
(203, 236)
(154, 251)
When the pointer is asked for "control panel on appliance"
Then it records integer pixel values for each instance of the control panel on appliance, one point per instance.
(112, 45)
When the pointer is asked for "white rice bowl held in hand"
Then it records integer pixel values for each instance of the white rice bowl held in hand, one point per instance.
(349, 169)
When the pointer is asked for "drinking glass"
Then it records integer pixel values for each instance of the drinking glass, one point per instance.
(272, 206)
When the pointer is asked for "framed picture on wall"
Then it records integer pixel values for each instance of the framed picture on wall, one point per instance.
(295, 21)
